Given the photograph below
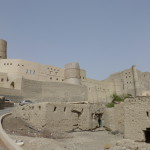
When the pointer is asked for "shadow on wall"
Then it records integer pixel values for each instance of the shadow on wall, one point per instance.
(12, 85)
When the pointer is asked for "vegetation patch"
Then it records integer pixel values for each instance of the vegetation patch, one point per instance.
(117, 99)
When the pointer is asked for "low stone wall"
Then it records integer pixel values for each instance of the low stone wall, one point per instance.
(60, 117)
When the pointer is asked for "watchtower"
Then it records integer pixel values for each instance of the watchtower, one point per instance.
(3, 49)
(72, 73)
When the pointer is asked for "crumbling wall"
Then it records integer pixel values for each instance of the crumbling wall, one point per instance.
(114, 117)
(119, 117)
(59, 117)
(66, 117)
(137, 117)
(109, 118)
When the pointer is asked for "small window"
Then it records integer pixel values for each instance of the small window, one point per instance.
(83, 77)
(18, 65)
(56, 78)
(54, 109)
(2, 79)
(147, 113)
(26, 71)
(10, 63)
(4, 63)
(51, 78)
(62, 79)
(7, 63)
(22, 65)
(64, 109)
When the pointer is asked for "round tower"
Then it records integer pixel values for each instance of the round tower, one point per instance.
(3, 49)
(72, 73)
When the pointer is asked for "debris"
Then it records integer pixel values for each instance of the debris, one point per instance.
(107, 146)
(20, 142)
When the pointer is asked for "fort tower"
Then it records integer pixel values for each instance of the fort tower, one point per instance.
(72, 73)
(3, 49)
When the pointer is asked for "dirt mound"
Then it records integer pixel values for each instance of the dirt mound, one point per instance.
(16, 126)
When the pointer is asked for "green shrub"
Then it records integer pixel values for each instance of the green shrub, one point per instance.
(110, 105)
(117, 99)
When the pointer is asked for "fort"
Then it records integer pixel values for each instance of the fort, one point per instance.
(26, 79)
(65, 99)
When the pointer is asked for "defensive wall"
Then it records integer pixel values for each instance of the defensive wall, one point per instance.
(121, 83)
(41, 91)
(53, 91)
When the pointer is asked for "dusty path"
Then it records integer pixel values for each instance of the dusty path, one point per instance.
(79, 141)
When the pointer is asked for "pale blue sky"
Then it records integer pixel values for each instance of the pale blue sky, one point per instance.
(104, 36)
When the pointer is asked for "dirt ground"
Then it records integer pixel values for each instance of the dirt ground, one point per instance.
(36, 140)
(16, 126)
(2, 146)
(80, 141)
